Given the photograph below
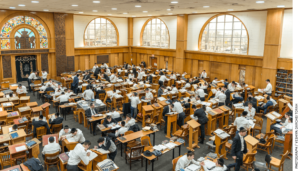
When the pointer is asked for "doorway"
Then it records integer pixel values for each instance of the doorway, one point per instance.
(154, 62)
(24, 66)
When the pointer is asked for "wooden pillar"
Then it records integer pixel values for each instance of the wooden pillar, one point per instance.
(130, 37)
(272, 46)
(182, 21)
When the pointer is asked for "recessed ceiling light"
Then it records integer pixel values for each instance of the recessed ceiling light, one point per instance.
(170, 13)
(138, 6)
(74, 5)
(80, 12)
(174, 2)
(205, 6)
(96, 2)
(230, 10)
(149, 15)
(145, 11)
(133, 16)
(280, 6)
(95, 10)
(113, 8)
(125, 13)
(22, 5)
(260, 2)
(46, 10)
(195, 12)
(108, 14)
(12, 7)
(169, 9)
(35, 2)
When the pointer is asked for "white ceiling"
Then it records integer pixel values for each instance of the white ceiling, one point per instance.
(154, 7)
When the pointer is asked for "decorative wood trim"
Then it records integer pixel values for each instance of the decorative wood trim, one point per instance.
(117, 31)
(44, 62)
(101, 50)
(205, 24)
(6, 65)
(145, 24)
(223, 54)
(70, 63)
(60, 43)
(24, 51)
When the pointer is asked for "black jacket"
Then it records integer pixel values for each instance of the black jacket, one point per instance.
(144, 63)
(34, 164)
(40, 123)
(58, 120)
(166, 110)
(149, 78)
(86, 77)
(88, 112)
(253, 101)
(160, 92)
(237, 146)
(187, 105)
(195, 82)
(49, 89)
(134, 72)
(227, 93)
(106, 77)
(106, 123)
(200, 113)
(97, 71)
(107, 144)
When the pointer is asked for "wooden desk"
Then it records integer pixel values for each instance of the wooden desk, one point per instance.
(288, 142)
(17, 154)
(46, 137)
(34, 150)
(2, 100)
(226, 111)
(21, 137)
(45, 108)
(14, 100)
(251, 143)
(5, 138)
(3, 115)
(32, 104)
(24, 99)
(12, 168)
(36, 110)
(13, 88)
(270, 121)
(147, 111)
(172, 122)
(157, 113)
(282, 104)
(9, 107)
(193, 134)
(220, 146)
(63, 165)
(251, 89)
(70, 145)
(98, 159)
(25, 111)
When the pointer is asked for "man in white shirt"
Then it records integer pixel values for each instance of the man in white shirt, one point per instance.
(88, 94)
(161, 80)
(220, 166)
(174, 89)
(119, 132)
(231, 86)
(277, 126)
(130, 76)
(218, 91)
(21, 89)
(129, 121)
(183, 76)
(200, 92)
(251, 111)
(63, 132)
(203, 74)
(173, 76)
(59, 89)
(105, 65)
(77, 155)
(44, 76)
(51, 147)
(268, 89)
(69, 93)
(184, 161)
(140, 75)
(43, 88)
(242, 122)
(113, 78)
(31, 77)
(63, 98)
(107, 71)
(76, 134)
(288, 127)
(149, 95)
(222, 98)
(181, 115)
(215, 81)
(134, 102)
(94, 67)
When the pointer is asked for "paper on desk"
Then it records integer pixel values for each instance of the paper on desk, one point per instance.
(71, 139)
(278, 125)
(209, 164)
(10, 129)
(21, 148)
(92, 155)
(192, 167)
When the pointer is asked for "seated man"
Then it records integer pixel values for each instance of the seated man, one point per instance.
(40, 123)
(77, 155)
(277, 127)
(129, 121)
(167, 109)
(76, 134)
(160, 91)
(120, 131)
(63, 132)
(14, 128)
(185, 161)
(56, 120)
(107, 144)
(100, 91)
(109, 122)
(200, 92)
(241, 122)
(88, 94)
(21, 89)
(174, 89)
(51, 147)
(250, 110)
(220, 166)
(264, 107)
(149, 96)
(237, 98)
(116, 116)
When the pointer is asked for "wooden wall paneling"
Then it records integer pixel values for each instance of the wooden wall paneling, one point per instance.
(271, 53)
(195, 67)
(138, 58)
(170, 63)
(181, 42)
(268, 74)
(200, 68)
(60, 43)
(161, 62)
(44, 62)
(133, 58)
(187, 65)
(285, 63)
(70, 64)
(127, 58)
(38, 62)
(206, 67)
(258, 74)
(53, 66)
(220, 70)
(116, 59)
(82, 62)
(87, 62)
(6, 65)
(69, 30)
(250, 75)
(234, 73)
(121, 59)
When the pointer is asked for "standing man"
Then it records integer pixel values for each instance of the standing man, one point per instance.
(202, 119)
(134, 100)
(44, 76)
(94, 67)
(227, 93)
(75, 84)
(238, 148)
(31, 77)
(134, 71)
(181, 115)
(167, 109)
(96, 72)
(268, 89)
(203, 74)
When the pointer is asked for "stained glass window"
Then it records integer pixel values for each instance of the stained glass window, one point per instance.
(24, 39)
(100, 32)
(225, 34)
(13, 22)
(156, 34)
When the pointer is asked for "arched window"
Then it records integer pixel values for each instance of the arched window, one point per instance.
(101, 32)
(17, 20)
(224, 34)
(155, 34)
(24, 39)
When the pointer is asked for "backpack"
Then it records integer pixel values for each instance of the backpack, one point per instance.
(34, 164)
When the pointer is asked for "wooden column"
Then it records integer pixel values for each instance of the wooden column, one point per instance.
(182, 21)
(130, 39)
(272, 46)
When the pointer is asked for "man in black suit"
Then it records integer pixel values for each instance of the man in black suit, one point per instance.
(251, 100)
(56, 120)
(40, 123)
(97, 71)
(149, 78)
(227, 93)
(144, 63)
(105, 77)
(202, 119)
(238, 148)
(160, 91)
(101, 91)
(134, 71)
(91, 112)
(167, 109)
(86, 76)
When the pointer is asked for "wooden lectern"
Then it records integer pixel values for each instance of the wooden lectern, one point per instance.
(220, 146)
(282, 103)
(251, 143)
(226, 111)
(45, 108)
(157, 116)
(212, 122)
(271, 118)
(172, 122)
(193, 134)
(288, 141)
(147, 111)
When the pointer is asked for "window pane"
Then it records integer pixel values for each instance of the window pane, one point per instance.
(212, 25)
(220, 26)
(237, 25)
(229, 18)
(228, 33)
(228, 25)
(237, 33)
(221, 18)
(236, 41)
(220, 33)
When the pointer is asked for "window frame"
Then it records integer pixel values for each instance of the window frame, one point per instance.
(143, 29)
(94, 19)
(215, 17)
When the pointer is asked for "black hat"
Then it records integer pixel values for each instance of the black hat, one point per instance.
(194, 106)
(221, 161)
(147, 153)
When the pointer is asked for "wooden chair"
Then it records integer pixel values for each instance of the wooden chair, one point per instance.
(268, 146)
(174, 162)
(5, 160)
(134, 153)
(75, 115)
(40, 132)
(258, 125)
(102, 96)
(145, 141)
(52, 160)
(56, 128)
(248, 160)
(278, 163)
(183, 132)
(132, 143)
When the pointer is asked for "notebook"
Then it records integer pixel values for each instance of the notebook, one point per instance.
(14, 135)
(21, 148)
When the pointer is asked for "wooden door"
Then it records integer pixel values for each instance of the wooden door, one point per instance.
(153, 62)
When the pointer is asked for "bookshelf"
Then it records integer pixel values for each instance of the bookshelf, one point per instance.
(284, 83)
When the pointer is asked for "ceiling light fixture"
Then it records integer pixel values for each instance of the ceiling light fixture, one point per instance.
(145, 11)
(108, 14)
(138, 6)
(80, 12)
(230, 10)
(35, 2)
(280, 6)
(260, 2)
(168, 9)
(22, 5)
(95, 10)
(133, 16)
(170, 13)
(195, 12)
(74, 5)
(113, 8)
(174, 2)
(205, 6)
(96, 2)
(46, 10)
(12, 7)
(149, 15)
(125, 13)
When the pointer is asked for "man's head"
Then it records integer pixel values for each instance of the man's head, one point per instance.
(190, 155)
(95, 64)
(250, 105)
(224, 88)
(51, 139)
(203, 70)
(66, 129)
(290, 120)
(250, 95)
(267, 81)
(197, 97)
(74, 131)
(243, 131)
(62, 93)
(220, 162)
(20, 86)
(41, 117)
(216, 78)
(108, 118)
(86, 144)
(194, 107)
(135, 94)
(128, 116)
(173, 85)
(226, 79)
(123, 123)
(56, 115)
(100, 141)
(268, 97)
(162, 87)
(245, 113)
(147, 90)
(92, 105)
(15, 127)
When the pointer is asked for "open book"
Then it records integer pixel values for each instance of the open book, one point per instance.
(102, 151)
(71, 139)
(92, 155)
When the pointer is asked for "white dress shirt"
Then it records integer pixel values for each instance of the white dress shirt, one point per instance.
(58, 90)
(134, 101)
(43, 88)
(217, 94)
(231, 87)
(108, 71)
(140, 75)
(77, 155)
(268, 89)
(113, 78)
(215, 82)
(200, 92)
(203, 74)
(187, 85)
(251, 113)
(62, 133)
(177, 107)
(22, 90)
(94, 68)
(184, 162)
(130, 123)
(130, 76)
(44, 75)
(163, 78)
(88, 94)
(115, 114)
(63, 98)
(51, 148)
(121, 131)
(175, 90)
(78, 137)
(289, 126)
(173, 77)
(241, 122)
(32, 76)
(105, 65)
(242, 141)
(149, 96)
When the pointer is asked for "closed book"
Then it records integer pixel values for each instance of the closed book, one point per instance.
(14, 135)
(14, 113)
(30, 143)
(21, 121)
(64, 157)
